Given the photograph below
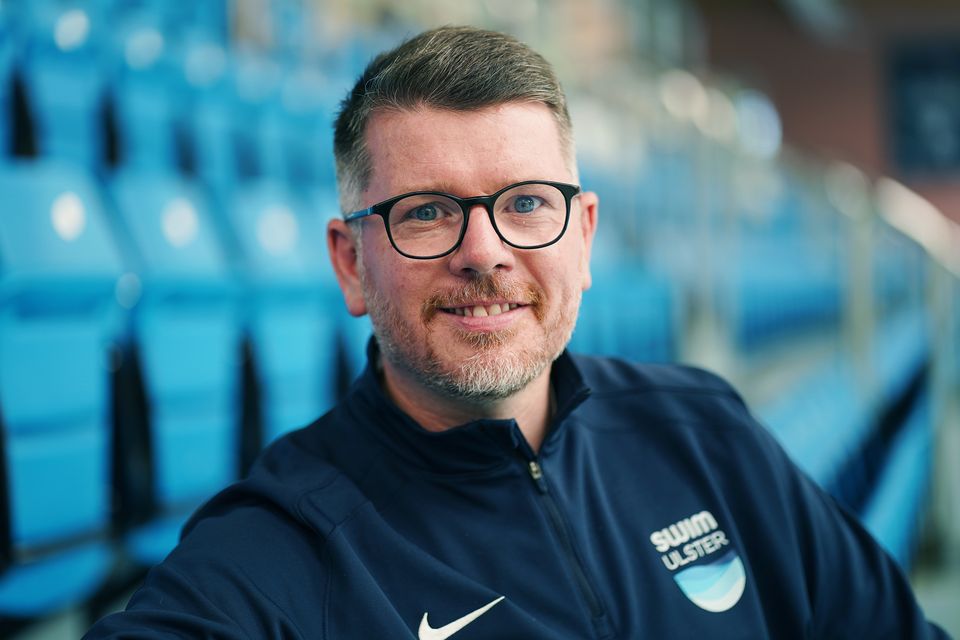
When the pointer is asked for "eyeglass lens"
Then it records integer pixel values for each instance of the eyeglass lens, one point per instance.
(429, 224)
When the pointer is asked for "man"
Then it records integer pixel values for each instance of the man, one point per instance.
(477, 480)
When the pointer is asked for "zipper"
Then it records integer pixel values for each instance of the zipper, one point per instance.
(566, 543)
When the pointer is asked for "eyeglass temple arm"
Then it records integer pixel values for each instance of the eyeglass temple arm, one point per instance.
(356, 215)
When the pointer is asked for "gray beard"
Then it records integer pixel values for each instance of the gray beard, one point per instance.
(488, 374)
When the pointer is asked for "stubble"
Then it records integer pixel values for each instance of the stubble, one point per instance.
(499, 365)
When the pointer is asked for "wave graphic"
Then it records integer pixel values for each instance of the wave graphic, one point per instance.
(716, 586)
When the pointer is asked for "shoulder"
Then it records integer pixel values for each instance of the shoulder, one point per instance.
(255, 558)
(297, 479)
(661, 392)
(606, 375)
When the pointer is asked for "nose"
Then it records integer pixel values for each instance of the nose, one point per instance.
(482, 251)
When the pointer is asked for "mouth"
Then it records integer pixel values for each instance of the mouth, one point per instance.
(482, 310)
(484, 303)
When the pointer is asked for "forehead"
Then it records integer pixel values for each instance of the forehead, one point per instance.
(462, 152)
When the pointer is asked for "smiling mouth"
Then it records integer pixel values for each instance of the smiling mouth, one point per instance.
(482, 311)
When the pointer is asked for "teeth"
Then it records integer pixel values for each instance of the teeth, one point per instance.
(480, 311)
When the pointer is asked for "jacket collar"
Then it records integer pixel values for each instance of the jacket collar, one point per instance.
(473, 446)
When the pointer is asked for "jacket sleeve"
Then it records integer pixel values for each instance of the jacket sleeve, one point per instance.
(856, 589)
(168, 606)
(240, 572)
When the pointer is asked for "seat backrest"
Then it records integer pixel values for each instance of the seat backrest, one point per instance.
(64, 86)
(58, 270)
(186, 326)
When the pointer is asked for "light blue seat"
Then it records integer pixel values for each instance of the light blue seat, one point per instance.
(305, 111)
(823, 421)
(900, 350)
(210, 127)
(58, 270)
(209, 115)
(776, 287)
(287, 277)
(187, 334)
(6, 69)
(64, 84)
(835, 426)
(894, 510)
(629, 312)
(895, 506)
(144, 86)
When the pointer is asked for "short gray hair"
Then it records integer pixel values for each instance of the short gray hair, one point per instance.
(456, 68)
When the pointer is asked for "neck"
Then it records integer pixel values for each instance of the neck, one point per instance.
(435, 411)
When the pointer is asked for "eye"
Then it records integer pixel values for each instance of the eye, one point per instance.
(526, 204)
(425, 213)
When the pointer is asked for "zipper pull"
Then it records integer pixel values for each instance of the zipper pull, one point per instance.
(536, 472)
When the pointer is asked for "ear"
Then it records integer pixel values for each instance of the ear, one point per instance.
(589, 205)
(343, 254)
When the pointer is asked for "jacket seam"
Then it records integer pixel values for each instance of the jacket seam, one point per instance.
(278, 608)
(326, 593)
(210, 602)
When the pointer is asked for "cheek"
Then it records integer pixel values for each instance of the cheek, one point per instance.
(395, 282)
(559, 275)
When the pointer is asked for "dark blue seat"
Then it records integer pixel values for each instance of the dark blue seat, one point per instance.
(58, 270)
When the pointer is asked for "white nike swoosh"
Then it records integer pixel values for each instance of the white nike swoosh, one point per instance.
(426, 632)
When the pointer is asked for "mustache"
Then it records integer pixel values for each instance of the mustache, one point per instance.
(483, 288)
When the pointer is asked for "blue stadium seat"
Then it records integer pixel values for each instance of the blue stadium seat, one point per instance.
(823, 420)
(826, 418)
(64, 85)
(186, 329)
(854, 438)
(258, 114)
(353, 333)
(894, 510)
(209, 116)
(899, 350)
(6, 69)
(628, 312)
(287, 276)
(310, 104)
(774, 287)
(208, 16)
(58, 270)
(145, 87)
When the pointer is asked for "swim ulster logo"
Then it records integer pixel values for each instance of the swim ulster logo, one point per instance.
(714, 584)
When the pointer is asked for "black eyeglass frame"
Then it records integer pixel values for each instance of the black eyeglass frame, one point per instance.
(382, 209)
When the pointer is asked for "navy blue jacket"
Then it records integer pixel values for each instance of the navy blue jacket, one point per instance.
(656, 508)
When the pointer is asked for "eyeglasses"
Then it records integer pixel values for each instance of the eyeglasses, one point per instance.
(428, 224)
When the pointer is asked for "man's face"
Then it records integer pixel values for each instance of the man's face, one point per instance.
(486, 320)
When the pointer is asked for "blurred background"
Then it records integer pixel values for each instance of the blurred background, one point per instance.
(780, 193)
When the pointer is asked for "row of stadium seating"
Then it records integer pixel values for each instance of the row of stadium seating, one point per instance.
(850, 430)
(122, 362)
